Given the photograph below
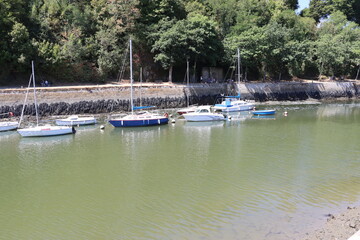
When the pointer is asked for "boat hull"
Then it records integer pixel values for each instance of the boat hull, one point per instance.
(80, 122)
(122, 122)
(45, 131)
(8, 126)
(203, 117)
(264, 112)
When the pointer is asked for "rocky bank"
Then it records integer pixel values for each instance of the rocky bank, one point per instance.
(108, 98)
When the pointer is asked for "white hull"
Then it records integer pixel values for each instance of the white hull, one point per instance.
(7, 126)
(203, 114)
(75, 121)
(43, 131)
(192, 117)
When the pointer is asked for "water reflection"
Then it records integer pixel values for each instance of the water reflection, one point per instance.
(266, 117)
(189, 180)
(8, 135)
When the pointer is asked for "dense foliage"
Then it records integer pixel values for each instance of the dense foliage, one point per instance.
(86, 40)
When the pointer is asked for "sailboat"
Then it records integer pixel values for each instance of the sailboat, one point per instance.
(40, 131)
(234, 103)
(138, 119)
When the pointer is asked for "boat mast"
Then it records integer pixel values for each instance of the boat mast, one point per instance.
(36, 109)
(238, 59)
(238, 65)
(140, 86)
(187, 80)
(131, 81)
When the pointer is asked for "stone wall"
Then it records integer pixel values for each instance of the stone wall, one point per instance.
(115, 98)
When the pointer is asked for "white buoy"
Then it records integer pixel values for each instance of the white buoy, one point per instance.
(173, 120)
(285, 113)
(102, 127)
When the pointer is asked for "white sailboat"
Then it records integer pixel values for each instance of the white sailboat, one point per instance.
(139, 119)
(40, 131)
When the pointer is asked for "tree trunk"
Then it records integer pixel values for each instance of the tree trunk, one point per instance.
(170, 74)
(194, 76)
(357, 74)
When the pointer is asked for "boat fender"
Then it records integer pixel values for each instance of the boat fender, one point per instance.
(166, 115)
(11, 114)
(73, 130)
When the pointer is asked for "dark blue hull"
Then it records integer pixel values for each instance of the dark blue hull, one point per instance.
(139, 123)
(264, 112)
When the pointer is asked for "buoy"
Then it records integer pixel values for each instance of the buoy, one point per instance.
(102, 127)
(285, 113)
(172, 120)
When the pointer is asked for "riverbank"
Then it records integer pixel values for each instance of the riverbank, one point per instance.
(341, 226)
(108, 98)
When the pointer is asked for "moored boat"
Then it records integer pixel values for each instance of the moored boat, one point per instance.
(41, 131)
(46, 130)
(7, 126)
(204, 113)
(233, 104)
(139, 119)
(75, 121)
(264, 112)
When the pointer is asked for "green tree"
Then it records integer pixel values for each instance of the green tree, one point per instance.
(337, 48)
(195, 38)
(322, 8)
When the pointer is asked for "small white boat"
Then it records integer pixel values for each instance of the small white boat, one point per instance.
(203, 113)
(40, 131)
(75, 121)
(186, 110)
(44, 131)
(7, 126)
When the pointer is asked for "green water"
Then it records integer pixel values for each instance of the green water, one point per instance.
(246, 178)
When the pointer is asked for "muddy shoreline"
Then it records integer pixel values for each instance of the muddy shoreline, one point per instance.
(338, 226)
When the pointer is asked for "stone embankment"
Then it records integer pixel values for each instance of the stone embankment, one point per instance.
(97, 99)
